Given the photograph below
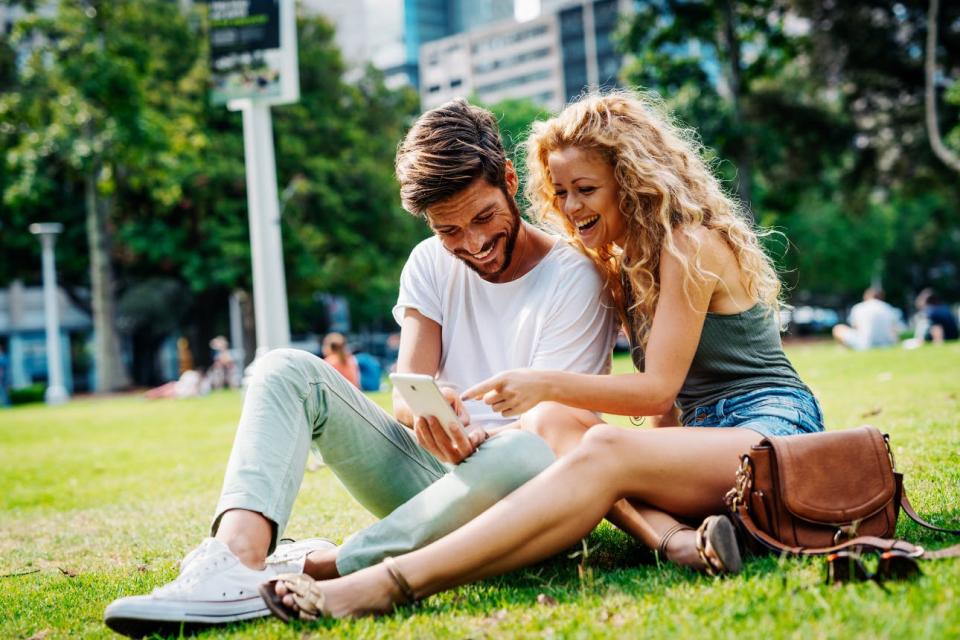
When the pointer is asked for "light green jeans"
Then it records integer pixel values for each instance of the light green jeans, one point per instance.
(295, 399)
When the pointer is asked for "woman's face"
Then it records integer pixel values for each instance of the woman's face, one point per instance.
(588, 195)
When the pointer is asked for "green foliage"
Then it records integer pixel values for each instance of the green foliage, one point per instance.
(102, 498)
(952, 96)
(29, 394)
(515, 118)
(124, 84)
(830, 130)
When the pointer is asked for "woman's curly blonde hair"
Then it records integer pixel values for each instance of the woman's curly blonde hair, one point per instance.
(665, 188)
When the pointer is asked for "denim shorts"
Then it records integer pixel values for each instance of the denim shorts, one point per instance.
(774, 411)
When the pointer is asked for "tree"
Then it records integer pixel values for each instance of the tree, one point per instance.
(344, 231)
(949, 157)
(830, 96)
(721, 63)
(515, 117)
(168, 175)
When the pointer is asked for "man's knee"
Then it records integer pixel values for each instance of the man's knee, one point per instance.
(288, 365)
(513, 457)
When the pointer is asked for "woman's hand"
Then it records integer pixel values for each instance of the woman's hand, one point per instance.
(512, 393)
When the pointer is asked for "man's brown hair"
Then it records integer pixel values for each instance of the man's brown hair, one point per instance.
(445, 151)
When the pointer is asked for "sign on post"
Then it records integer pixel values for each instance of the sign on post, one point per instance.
(253, 51)
(253, 62)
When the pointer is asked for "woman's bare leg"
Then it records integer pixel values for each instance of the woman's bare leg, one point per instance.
(563, 428)
(682, 471)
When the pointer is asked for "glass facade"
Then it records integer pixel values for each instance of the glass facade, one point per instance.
(470, 14)
(424, 20)
(606, 16)
(574, 51)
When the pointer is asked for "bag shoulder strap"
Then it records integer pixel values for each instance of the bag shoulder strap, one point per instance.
(742, 517)
(910, 511)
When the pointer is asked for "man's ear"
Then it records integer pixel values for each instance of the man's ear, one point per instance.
(510, 177)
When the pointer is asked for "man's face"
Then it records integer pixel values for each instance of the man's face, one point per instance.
(479, 225)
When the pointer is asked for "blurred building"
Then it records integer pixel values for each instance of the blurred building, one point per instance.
(23, 329)
(550, 59)
(389, 33)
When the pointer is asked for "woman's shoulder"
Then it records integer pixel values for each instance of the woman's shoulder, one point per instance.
(709, 246)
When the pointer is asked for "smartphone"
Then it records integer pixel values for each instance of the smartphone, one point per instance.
(423, 396)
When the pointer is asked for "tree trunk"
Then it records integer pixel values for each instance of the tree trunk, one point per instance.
(111, 374)
(948, 157)
(744, 156)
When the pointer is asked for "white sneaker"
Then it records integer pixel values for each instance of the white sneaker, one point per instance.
(289, 557)
(213, 587)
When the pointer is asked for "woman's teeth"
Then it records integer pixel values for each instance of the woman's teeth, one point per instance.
(586, 223)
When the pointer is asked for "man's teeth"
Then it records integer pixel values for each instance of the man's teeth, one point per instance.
(586, 222)
(481, 256)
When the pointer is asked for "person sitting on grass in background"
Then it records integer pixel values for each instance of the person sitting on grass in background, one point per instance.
(223, 371)
(699, 298)
(486, 293)
(936, 322)
(337, 355)
(873, 323)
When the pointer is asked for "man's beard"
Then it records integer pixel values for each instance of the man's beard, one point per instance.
(511, 236)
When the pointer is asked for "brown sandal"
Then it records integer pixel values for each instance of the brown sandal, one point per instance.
(409, 597)
(718, 532)
(309, 596)
(305, 591)
(665, 540)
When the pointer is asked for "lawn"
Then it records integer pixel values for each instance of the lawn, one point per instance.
(101, 498)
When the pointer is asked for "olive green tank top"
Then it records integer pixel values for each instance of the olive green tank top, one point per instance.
(737, 354)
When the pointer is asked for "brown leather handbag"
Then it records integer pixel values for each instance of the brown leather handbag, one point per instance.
(817, 493)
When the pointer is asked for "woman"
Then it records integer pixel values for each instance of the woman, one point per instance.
(337, 354)
(699, 300)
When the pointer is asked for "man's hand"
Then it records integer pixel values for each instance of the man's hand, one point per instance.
(512, 393)
(433, 437)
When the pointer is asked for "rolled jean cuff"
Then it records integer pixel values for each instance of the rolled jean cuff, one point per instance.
(247, 502)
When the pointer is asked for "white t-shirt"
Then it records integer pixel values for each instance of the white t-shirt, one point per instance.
(553, 317)
(876, 324)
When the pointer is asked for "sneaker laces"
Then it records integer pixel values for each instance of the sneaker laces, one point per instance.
(197, 565)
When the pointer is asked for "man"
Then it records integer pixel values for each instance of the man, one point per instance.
(873, 323)
(488, 292)
(936, 322)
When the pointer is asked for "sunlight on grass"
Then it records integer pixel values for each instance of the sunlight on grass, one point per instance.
(101, 497)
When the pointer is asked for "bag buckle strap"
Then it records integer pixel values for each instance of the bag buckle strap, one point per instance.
(850, 531)
(893, 460)
(744, 481)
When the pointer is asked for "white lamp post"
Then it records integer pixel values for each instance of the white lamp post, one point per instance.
(269, 283)
(56, 392)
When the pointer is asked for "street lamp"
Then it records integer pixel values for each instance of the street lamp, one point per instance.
(56, 392)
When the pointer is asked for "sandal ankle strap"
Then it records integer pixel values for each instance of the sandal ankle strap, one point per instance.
(394, 570)
(665, 539)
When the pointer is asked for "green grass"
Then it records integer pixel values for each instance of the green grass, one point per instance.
(100, 499)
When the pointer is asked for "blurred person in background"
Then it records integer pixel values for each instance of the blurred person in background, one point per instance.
(184, 356)
(223, 371)
(873, 323)
(337, 355)
(935, 320)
